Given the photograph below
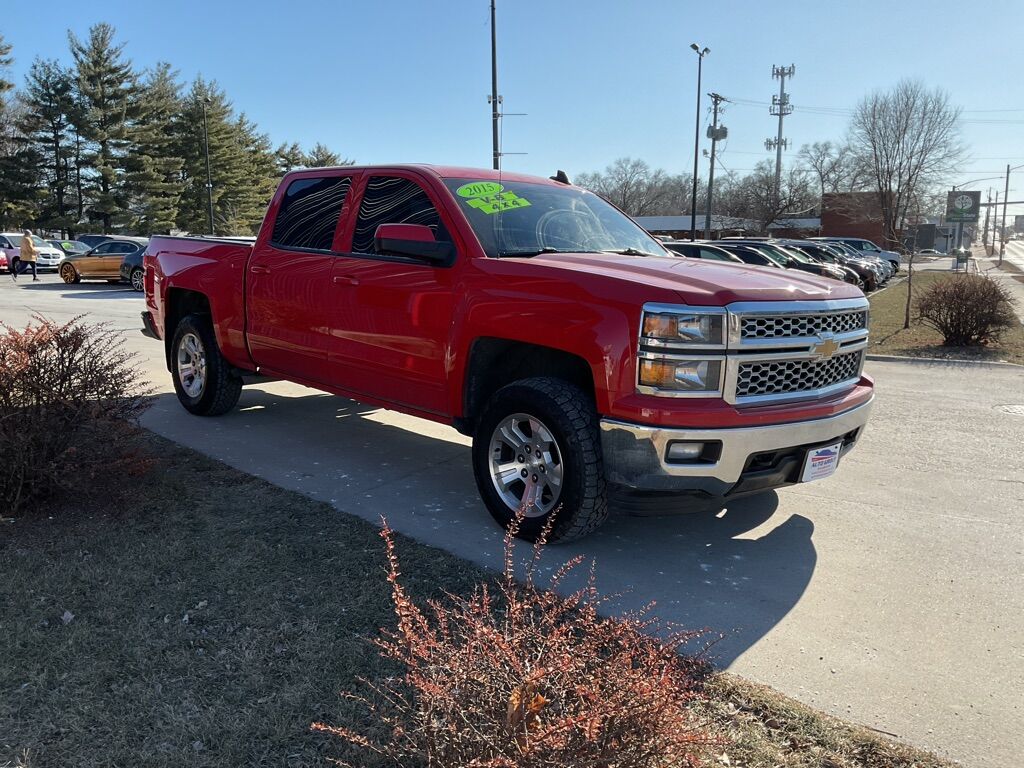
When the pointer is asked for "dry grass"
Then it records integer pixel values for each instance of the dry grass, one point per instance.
(889, 338)
(209, 618)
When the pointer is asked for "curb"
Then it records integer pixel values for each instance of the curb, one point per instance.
(942, 361)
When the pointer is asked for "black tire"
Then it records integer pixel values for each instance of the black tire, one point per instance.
(136, 280)
(69, 274)
(220, 387)
(569, 415)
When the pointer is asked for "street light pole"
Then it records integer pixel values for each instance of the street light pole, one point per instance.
(209, 176)
(495, 99)
(1002, 227)
(701, 53)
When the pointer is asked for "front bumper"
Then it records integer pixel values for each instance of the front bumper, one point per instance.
(742, 460)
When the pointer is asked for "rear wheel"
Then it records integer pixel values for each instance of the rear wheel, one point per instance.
(203, 379)
(136, 280)
(69, 274)
(537, 451)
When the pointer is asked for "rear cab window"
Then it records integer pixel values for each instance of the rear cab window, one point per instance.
(309, 213)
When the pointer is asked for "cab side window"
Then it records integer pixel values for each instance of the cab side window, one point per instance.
(5, 243)
(393, 200)
(309, 213)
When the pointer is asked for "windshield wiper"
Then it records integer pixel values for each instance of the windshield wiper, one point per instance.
(631, 252)
(527, 252)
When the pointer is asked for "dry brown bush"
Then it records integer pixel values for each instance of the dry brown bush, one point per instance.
(968, 310)
(520, 677)
(69, 395)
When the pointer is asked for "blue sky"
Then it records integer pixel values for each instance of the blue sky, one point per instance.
(398, 80)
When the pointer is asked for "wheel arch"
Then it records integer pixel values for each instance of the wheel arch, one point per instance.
(495, 362)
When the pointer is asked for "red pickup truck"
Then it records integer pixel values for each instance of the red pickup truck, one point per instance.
(580, 355)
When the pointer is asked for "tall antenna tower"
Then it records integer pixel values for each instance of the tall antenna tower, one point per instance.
(781, 107)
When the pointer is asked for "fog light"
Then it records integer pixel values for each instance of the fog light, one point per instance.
(680, 451)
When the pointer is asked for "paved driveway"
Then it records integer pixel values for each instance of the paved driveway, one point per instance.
(891, 594)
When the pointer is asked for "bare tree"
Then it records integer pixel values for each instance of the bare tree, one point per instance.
(754, 196)
(636, 188)
(909, 138)
(837, 167)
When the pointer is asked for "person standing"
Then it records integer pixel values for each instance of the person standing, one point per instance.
(27, 256)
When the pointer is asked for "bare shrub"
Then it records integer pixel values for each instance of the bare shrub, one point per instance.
(968, 310)
(69, 395)
(519, 677)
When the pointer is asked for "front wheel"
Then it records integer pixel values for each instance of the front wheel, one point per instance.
(537, 452)
(203, 379)
(69, 274)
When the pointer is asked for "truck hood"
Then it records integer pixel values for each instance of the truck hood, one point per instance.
(703, 283)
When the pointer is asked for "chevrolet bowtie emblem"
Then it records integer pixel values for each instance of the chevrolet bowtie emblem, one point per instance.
(825, 349)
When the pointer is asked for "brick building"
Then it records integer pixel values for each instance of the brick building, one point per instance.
(852, 214)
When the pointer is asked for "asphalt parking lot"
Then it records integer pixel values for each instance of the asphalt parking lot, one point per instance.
(891, 594)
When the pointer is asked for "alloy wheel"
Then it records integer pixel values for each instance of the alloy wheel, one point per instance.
(192, 365)
(525, 464)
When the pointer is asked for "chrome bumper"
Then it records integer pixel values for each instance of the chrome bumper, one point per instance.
(635, 454)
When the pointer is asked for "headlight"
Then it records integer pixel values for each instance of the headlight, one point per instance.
(673, 376)
(683, 327)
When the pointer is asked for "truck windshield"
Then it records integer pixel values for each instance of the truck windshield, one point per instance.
(516, 218)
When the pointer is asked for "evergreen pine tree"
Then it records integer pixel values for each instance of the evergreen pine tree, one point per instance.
(321, 157)
(107, 87)
(49, 106)
(260, 169)
(227, 160)
(154, 164)
(6, 60)
(289, 157)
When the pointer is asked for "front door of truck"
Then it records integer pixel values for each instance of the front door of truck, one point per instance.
(288, 307)
(392, 314)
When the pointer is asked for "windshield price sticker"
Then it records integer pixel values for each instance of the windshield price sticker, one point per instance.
(479, 189)
(490, 197)
(504, 201)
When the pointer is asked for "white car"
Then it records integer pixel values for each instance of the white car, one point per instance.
(47, 257)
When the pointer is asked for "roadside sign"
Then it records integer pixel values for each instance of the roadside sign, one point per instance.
(962, 206)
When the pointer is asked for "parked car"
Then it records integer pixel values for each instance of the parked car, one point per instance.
(749, 255)
(884, 266)
(820, 253)
(7, 253)
(69, 247)
(929, 252)
(93, 240)
(791, 259)
(867, 246)
(102, 262)
(132, 269)
(699, 250)
(47, 258)
(534, 316)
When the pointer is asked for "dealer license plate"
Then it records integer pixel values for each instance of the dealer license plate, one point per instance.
(821, 462)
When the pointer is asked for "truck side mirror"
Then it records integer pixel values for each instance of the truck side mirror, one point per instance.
(416, 240)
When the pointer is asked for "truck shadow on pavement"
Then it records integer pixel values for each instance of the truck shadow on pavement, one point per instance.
(736, 571)
(102, 290)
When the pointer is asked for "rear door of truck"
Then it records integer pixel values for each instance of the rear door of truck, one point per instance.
(289, 292)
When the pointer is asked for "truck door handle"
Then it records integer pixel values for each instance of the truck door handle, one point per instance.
(259, 269)
(345, 280)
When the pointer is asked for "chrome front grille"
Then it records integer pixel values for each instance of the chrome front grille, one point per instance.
(770, 326)
(782, 377)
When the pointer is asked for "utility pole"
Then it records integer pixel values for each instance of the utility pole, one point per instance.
(209, 176)
(701, 53)
(1002, 228)
(781, 107)
(984, 232)
(715, 133)
(494, 98)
